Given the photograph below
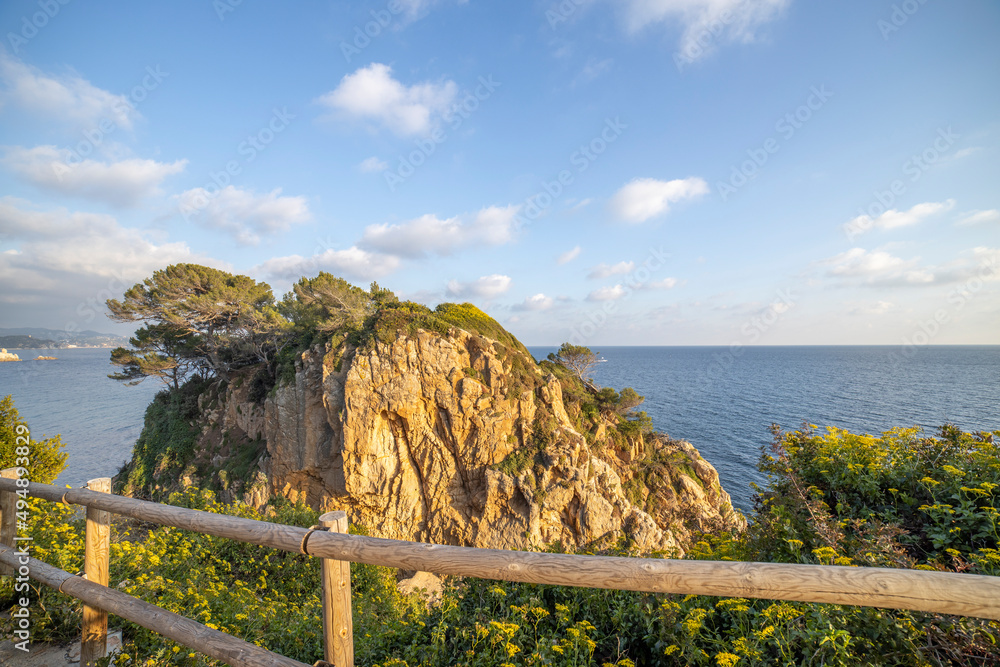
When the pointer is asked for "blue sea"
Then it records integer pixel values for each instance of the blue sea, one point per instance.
(722, 403)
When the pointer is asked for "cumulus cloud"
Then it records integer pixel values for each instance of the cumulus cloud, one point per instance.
(606, 270)
(666, 283)
(487, 287)
(93, 249)
(430, 235)
(893, 219)
(371, 94)
(352, 262)
(980, 217)
(706, 23)
(121, 183)
(373, 164)
(646, 198)
(69, 99)
(877, 267)
(608, 293)
(568, 256)
(244, 214)
(535, 303)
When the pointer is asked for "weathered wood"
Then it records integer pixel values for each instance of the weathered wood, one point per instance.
(338, 624)
(212, 643)
(937, 592)
(94, 642)
(8, 516)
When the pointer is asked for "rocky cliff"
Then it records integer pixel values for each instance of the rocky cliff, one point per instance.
(454, 438)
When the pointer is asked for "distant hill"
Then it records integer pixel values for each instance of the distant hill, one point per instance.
(31, 338)
(26, 343)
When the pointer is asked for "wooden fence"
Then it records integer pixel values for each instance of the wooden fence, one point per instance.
(935, 592)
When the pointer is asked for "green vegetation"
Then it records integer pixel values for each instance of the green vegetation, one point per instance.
(168, 439)
(579, 360)
(901, 499)
(533, 451)
(43, 459)
(592, 408)
(199, 320)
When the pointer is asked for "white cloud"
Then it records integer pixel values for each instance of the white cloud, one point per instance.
(372, 94)
(608, 293)
(352, 262)
(877, 308)
(593, 69)
(415, 9)
(69, 99)
(535, 303)
(121, 183)
(646, 198)
(666, 283)
(893, 219)
(606, 270)
(87, 245)
(487, 287)
(372, 164)
(243, 213)
(966, 152)
(569, 256)
(980, 217)
(705, 22)
(430, 235)
(878, 267)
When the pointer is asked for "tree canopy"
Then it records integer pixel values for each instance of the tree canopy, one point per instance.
(579, 360)
(45, 458)
(197, 319)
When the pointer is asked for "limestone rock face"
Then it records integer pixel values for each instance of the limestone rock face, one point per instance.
(430, 438)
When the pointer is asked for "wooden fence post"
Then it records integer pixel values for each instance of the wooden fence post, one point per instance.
(338, 624)
(94, 643)
(8, 517)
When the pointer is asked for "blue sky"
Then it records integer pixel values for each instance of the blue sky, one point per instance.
(661, 172)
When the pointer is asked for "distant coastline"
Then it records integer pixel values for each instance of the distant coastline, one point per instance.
(53, 339)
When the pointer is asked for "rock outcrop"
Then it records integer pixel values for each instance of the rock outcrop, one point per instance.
(457, 439)
(8, 356)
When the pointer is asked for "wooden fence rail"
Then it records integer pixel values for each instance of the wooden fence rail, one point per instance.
(936, 592)
(182, 630)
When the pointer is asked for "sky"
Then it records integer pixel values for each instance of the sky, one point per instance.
(636, 172)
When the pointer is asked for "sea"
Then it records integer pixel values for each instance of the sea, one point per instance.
(721, 400)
